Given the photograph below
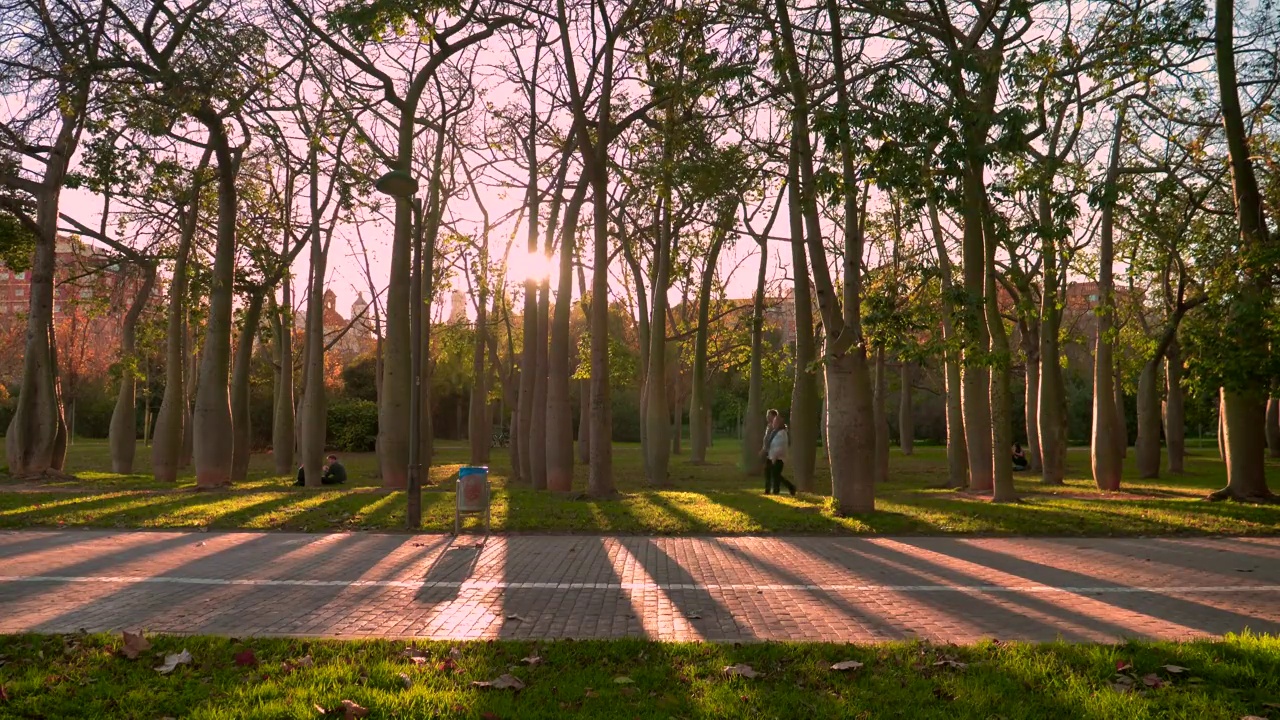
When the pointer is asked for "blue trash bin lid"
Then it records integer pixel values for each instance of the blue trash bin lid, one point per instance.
(472, 470)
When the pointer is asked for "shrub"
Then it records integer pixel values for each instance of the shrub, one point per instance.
(353, 425)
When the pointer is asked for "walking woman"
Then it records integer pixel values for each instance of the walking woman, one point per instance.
(776, 444)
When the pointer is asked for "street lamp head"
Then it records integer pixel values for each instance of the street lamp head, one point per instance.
(396, 183)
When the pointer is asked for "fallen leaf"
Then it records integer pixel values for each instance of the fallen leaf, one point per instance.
(948, 662)
(628, 691)
(455, 653)
(516, 618)
(133, 645)
(741, 670)
(171, 662)
(320, 709)
(503, 682)
(405, 681)
(445, 665)
(352, 711)
(1123, 665)
(589, 693)
(246, 658)
(1152, 681)
(1121, 688)
(4, 696)
(1175, 669)
(488, 716)
(532, 660)
(623, 680)
(847, 665)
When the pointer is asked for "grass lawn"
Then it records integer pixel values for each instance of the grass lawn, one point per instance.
(85, 676)
(709, 499)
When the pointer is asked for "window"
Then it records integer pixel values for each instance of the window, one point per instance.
(85, 293)
(1093, 298)
(20, 276)
(19, 292)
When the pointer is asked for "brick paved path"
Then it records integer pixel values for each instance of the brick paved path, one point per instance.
(833, 589)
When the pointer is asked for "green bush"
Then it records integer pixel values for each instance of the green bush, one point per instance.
(353, 425)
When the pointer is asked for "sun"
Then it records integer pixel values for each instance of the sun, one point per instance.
(523, 265)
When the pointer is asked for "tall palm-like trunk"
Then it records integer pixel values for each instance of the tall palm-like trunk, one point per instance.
(699, 392)
(803, 428)
(1175, 429)
(478, 424)
(167, 442)
(212, 428)
(123, 434)
(906, 413)
(1273, 426)
(1001, 375)
(881, 417)
(753, 424)
(282, 440)
(240, 388)
(975, 377)
(658, 420)
(559, 412)
(1105, 448)
(1244, 407)
(314, 410)
(957, 451)
(1122, 420)
(1031, 349)
(1052, 405)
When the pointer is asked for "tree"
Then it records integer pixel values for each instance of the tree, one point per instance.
(50, 55)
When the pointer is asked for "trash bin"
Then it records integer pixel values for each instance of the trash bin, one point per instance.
(472, 496)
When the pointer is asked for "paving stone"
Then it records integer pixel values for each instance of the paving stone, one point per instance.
(690, 588)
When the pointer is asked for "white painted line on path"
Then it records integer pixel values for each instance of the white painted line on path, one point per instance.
(650, 587)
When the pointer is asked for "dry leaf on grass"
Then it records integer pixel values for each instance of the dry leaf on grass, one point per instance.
(847, 665)
(623, 680)
(1152, 681)
(741, 670)
(133, 645)
(352, 711)
(455, 653)
(246, 658)
(503, 682)
(405, 681)
(948, 662)
(532, 660)
(171, 662)
(1175, 669)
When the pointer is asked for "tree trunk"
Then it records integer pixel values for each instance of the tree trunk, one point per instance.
(1174, 410)
(1222, 427)
(188, 409)
(850, 434)
(699, 393)
(1001, 377)
(584, 421)
(658, 422)
(1245, 447)
(880, 418)
(314, 411)
(1148, 447)
(1273, 426)
(35, 442)
(538, 430)
(397, 361)
(906, 415)
(1031, 348)
(677, 427)
(753, 424)
(1122, 421)
(123, 434)
(975, 376)
(559, 412)
(211, 422)
(282, 440)
(1105, 449)
(957, 452)
(478, 424)
(241, 370)
(1052, 405)
(804, 391)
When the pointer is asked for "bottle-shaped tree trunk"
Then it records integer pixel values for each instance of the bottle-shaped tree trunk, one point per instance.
(123, 434)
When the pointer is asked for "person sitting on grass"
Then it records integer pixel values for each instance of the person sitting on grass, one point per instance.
(1019, 458)
(333, 473)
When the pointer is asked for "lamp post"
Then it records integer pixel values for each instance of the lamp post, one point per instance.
(402, 186)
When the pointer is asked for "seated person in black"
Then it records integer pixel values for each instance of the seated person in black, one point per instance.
(1019, 458)
(333, 473)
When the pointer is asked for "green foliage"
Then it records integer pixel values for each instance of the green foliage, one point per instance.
(360, 378)
(17, 243)
(377, 20)
(352, 426)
